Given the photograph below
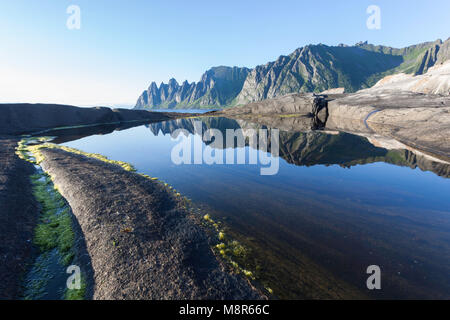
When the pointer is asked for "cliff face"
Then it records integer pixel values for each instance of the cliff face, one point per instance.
(320, 67)
(313, 68)
(217, 87)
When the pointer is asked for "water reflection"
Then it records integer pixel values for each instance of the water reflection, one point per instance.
(313, 147)
(315, 227)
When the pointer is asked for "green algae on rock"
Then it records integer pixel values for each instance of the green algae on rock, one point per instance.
(53, 234)
(54, 229)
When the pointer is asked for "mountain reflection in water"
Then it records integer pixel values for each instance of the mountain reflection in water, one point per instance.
(315, 147)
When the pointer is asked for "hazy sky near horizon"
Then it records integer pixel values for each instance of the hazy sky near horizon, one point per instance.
(124, 45)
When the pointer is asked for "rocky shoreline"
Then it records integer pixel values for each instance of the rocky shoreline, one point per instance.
(17, 119)
(141, 241)
(19, 208)
(418, 120)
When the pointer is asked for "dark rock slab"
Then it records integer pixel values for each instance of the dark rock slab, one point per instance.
(28, 118)
(18, 216)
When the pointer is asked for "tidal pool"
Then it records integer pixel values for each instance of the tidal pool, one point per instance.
(337, 205)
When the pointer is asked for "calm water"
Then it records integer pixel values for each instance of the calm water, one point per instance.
(337, 205)
(184, 110)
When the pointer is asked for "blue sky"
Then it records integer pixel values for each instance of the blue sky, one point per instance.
(124, 45)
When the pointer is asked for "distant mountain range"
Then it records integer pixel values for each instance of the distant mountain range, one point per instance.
(218, 87)
(313, 68)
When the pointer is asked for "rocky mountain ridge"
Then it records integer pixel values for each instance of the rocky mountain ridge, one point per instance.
(313, 68)
(217, 87)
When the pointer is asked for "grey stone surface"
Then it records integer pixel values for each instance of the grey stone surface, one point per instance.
(18, 216)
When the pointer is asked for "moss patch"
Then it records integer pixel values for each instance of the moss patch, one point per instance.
(292, 115)
(54, 229)
(35, 149)
(230, 250)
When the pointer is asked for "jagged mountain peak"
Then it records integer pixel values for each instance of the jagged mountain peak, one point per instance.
(217, 87)
(173, 82)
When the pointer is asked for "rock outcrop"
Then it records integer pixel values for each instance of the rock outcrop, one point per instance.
(28, 118)
(288, 104)
(435, 81)
(417, 120)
